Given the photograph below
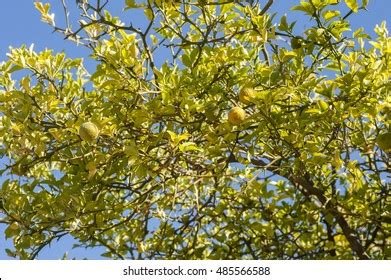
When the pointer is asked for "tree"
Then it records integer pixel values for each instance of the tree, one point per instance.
(300, 177)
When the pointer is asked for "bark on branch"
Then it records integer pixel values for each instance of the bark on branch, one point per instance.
(308, 189)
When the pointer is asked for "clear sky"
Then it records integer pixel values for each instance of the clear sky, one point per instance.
(20, 24)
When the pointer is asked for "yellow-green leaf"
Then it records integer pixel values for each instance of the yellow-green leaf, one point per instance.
(352, 4)
(331, 14)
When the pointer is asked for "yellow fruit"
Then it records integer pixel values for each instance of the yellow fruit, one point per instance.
(246, 94)
(88, 131)
(384, 141)
(236, 116)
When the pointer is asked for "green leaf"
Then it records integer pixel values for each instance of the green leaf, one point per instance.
(183, 136)
(10, 253)
(283, 26)
(108, 83)
(287, 55)
(12, 230)
(331, 14)
(305, 7)
(107, 255)
(189, 146)
(131, 150)
(15, 68)
(148, 13)
(187, 61)
(331, 2)
(172, 135)
(226, 7)
(359, 33)
(365, 3)
(131, 4)
(352, 4)
(42, 8)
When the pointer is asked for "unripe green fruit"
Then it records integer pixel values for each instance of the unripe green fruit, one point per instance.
(246, 94)
(88, 131)
(296, 43)
(384, 141)
(236, 116)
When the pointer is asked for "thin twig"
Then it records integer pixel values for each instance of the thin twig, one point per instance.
(66, 12)
(267, 6)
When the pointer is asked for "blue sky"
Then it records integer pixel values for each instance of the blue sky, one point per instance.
(20, 24)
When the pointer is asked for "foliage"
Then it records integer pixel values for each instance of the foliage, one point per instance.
(169, 177)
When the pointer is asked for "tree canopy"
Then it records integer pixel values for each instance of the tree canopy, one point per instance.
(209, 130)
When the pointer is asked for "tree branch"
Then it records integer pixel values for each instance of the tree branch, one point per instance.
(267, 7)
(329, 206)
